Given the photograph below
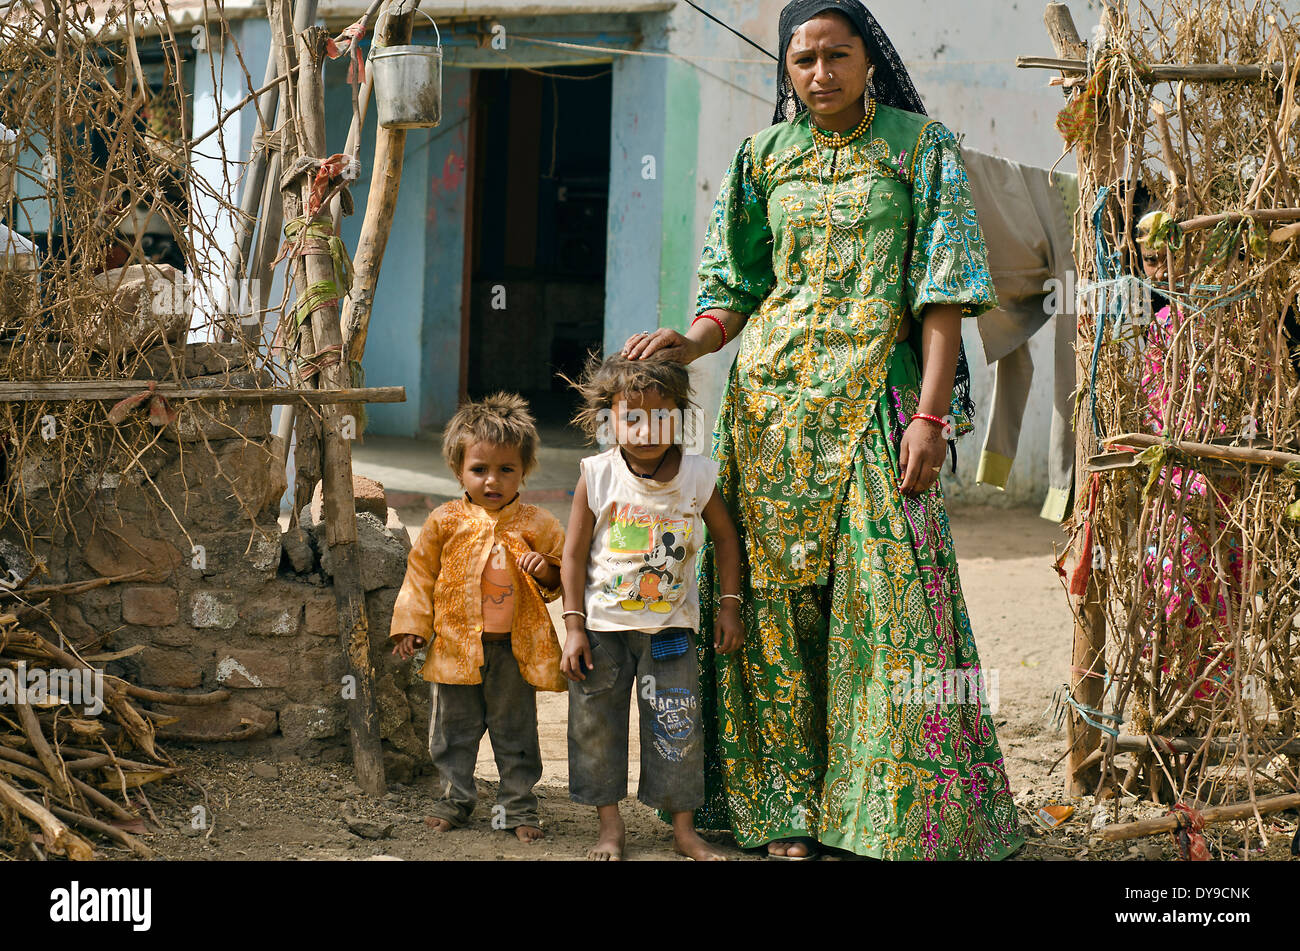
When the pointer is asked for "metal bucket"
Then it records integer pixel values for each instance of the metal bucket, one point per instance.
(408, 85)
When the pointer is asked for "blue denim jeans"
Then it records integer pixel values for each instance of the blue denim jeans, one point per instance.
(667, 692)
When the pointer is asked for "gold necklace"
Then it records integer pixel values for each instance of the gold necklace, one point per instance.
(834, 140)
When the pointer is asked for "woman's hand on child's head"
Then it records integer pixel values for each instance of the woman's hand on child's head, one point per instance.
(576, 660)
(534, 563)
(728, 631)
(407, 645)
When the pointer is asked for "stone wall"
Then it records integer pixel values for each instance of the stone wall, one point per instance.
(219, 597)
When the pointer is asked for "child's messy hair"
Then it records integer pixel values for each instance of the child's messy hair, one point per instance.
(603, 380)
(503, 419)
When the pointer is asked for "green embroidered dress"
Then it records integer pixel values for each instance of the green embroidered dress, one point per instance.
(855, 712)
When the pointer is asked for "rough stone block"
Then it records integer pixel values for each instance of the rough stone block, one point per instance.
(367, 494)
(395, 525)
(379, 615)
(249, 554)
(382, 557)
(139, 309)
(102, 607)
(73, 621)
(296, 543)
(219, 719)
(274, 610)
(218, 609)
(390, 702)
(324, 666)
(398, 767)
(121, 549)
(212, 420)
(321, 616)
(168, 668)
(301, 722)
(244, 668)
(150, 606)
(181, 635)
(14, 559)
(193, 359)
(419, 697)
(215, 488)
(36, 473)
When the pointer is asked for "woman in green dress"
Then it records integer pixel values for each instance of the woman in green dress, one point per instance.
(856, 716)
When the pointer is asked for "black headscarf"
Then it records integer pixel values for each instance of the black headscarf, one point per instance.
(891, 86)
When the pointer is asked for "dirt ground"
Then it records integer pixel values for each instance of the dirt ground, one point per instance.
(288, 810)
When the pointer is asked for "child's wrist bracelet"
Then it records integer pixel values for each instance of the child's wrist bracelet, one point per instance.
(929, 419)
(721, 326)
(723, 597)
(564, 614)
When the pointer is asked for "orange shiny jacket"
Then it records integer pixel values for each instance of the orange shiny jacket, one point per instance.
(441, 598)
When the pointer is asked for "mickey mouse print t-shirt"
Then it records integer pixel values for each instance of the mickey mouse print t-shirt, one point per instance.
(641, 571)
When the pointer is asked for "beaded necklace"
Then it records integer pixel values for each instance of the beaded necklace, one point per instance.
(834, 140)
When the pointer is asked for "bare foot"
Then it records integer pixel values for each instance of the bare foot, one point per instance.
(687, 842)
(529, 833)
(436, 824)
(610, 838)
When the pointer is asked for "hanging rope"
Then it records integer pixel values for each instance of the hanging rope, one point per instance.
(1107, 262)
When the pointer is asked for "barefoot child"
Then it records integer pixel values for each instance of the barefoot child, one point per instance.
(475, 585)
(631, 605)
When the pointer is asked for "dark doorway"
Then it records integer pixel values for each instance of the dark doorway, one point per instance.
(541, 194)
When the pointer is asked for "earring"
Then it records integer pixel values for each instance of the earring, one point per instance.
(871, 83)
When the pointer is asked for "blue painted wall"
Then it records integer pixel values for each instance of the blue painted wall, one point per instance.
(415, 331)
(633, 254)
(414, 336)
(446, 191)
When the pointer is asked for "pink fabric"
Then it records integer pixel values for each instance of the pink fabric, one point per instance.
(1193, 588)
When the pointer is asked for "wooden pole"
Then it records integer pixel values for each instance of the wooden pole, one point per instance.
(72, 390)
(268, 240)
(302, 427)
(263, 167)
(1242, 455)
(1262, 214)
(1088, 652)
(1241, 810)
(313, 265)
(339, 506)
(1165, 72)
(1267, 746)
(381, 203)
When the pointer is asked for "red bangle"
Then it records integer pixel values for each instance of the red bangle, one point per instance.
(721, 326)
(930, 419)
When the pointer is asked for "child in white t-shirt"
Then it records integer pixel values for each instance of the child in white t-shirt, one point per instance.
(631, 604)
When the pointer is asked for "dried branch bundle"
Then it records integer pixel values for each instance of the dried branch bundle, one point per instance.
(1194, 553)
(68, 733)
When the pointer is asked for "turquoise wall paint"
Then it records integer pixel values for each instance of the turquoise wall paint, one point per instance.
(679, 255)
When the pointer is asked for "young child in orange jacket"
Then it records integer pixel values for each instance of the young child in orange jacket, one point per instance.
(476, 582)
